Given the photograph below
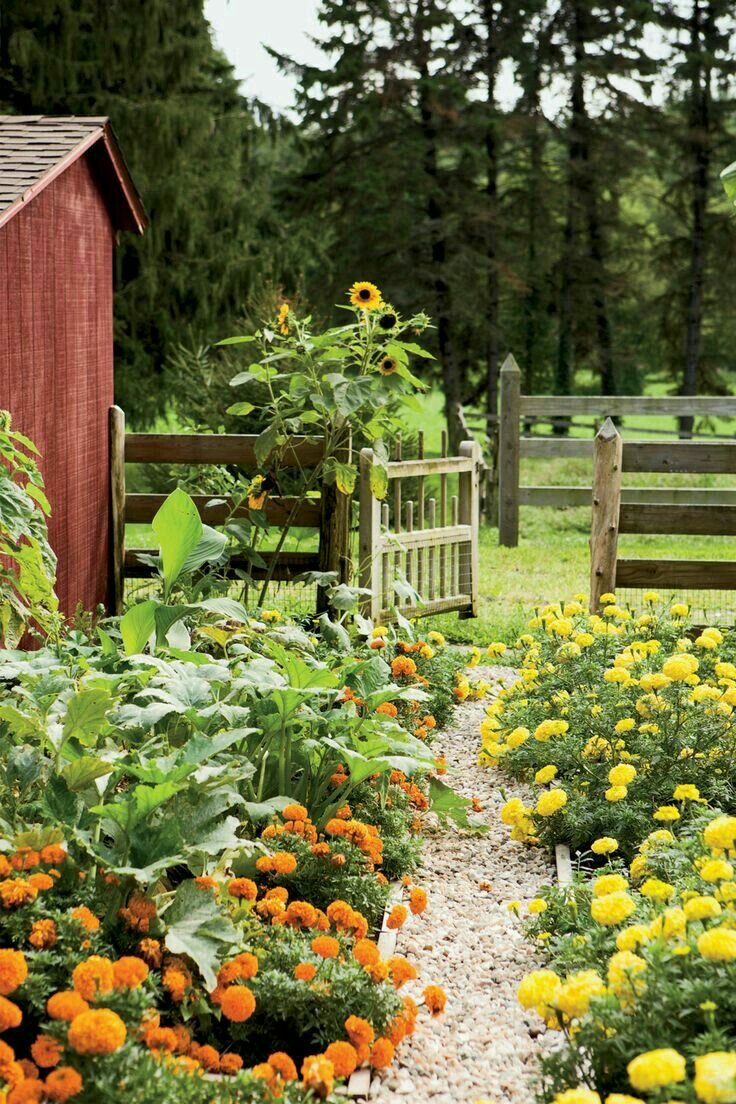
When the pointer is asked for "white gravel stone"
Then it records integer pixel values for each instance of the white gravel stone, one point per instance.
(469, 943)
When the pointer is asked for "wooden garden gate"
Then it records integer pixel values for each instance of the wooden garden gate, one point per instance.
(421, 542)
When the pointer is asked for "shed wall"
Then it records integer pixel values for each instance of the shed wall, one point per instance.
(56, 365)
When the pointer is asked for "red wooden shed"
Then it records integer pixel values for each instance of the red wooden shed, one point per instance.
(65, 193)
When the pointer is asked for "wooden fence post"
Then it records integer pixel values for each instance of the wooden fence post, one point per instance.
(370, 539)
(608, 451)
(334, 533)
(469, 514)
(508, 454)
(117, 509)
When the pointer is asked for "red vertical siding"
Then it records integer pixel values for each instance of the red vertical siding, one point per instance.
(56, 365)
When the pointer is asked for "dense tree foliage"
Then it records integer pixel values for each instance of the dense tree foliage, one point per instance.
(540, 175)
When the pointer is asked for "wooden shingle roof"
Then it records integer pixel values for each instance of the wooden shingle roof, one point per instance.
(34, 149)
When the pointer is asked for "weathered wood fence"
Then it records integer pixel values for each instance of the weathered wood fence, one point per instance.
(613, 515)
(431, 545)
(516, 412)
(330, 515)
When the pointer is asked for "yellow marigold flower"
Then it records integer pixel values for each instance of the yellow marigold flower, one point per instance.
(632, 937)
(99, 1031)
(686, 792)
(656, 889)
(605, 845)
(718, 944)
(495, 649)
(716, 870)
(616, 793)
(622, 774)
(550, 802)
(679, 609)
(624, 725)
(545, 774)
(577, 1096)
(538, 989)
(612, 909)
(656, 1068)
(549, 728)
(577, 991)
(536, 905)
(624, 975)
(518, 737)
(617, 674)
(365, 295)
(622, 1098)
(721, 833)
(715, 1077)
(513, 811)
(666, 812)
(609, 883)
(435, 637)
(702, 908)
(679, 666)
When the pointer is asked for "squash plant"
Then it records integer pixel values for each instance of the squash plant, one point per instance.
(350, 382)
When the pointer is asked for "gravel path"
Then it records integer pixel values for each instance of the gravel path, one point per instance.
(468, 942)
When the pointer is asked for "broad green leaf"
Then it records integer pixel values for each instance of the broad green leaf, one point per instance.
(197, 928)
(85, 715)
(20, 724)
(226, 607)
(241, 408)
(137, 626)
(241, 340)
(178, 528)
(379, 481)
(210, 546)
(345, 477)
(139, 805)
(82, 772)
(446, 803)
(728, 177)
(265, 444)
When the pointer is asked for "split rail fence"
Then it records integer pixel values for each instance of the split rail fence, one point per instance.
(330, 515)
(516, 412)
(428, 544)
(613, 515)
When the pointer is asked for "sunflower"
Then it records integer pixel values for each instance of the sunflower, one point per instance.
(366, 295)
(389, 320)
(388, 366)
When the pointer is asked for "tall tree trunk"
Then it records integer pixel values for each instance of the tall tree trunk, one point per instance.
(532, 299)
(598, 280)
(435, 215)
(491, 148)
(565, 348)
(699, 140)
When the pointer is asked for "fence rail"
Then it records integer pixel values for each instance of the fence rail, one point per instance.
(431, 545)
(612, 516)
(655, 456)
(328, 513)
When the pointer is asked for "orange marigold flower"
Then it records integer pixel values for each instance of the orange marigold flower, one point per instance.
(429, 721)
(46, 1051)
(231, 1063)
(99, 1031)
(15, 892)
(161, 1039)
(40, 881)
(418, 900)
(344, 1058)
(366, 952)
(387, 709)
(53, 854)
(263, 1072)
(247, 965)
(207, 1056)
(13, 971)
(138, 913)
(242, 888)
(10, 1014)
(305, 971)
(403, 666)
(281, 862)
(204, 881)
(377, 971)
(43, 934)
(93, 976)
(5, 867)
(326, 946)
(300, 914)
(7, 1054)
(176, 982)
(63, 1084)
(25, 858)
(66, 1005)
(435, 999)
(359, 1031)
(237, 1003)
(397, 917)
(318, 1074)
(283, 1065)
(401, 970)
(12, 1074)
(129, 972)
(183, 1038)
(382, 1053)
(294, 812)
(150, 950)
(321, 850)
(28, 1092)
(31, 1071)
(339, 778)
(86, 918)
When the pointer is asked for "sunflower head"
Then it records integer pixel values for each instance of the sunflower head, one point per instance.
(388, 365)
(365, 295)
(388, 320)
